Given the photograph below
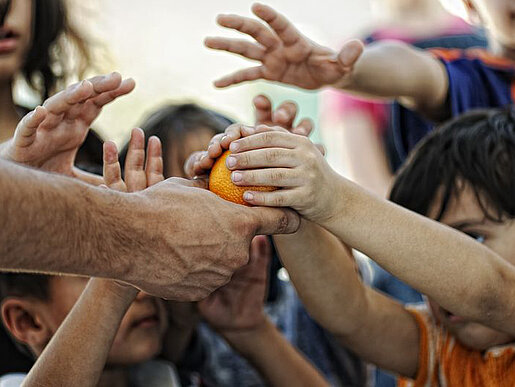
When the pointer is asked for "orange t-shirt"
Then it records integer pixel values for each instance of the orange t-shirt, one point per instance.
(444, 361)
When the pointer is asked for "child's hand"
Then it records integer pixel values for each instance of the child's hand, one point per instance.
(238, 306)
(49, 137)
(287, 161)
(140, 173)
(200, 163)
(285, 55)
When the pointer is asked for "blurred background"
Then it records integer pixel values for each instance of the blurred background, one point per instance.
(160, 44)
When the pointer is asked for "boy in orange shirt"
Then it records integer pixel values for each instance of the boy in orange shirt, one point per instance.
(462, 176)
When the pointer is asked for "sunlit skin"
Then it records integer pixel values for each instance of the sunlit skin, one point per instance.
(141, 331)
(465, 214)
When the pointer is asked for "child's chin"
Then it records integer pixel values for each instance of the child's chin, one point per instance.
(136, 353)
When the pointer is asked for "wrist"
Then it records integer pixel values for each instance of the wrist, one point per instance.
(246, 340)
(118, 295)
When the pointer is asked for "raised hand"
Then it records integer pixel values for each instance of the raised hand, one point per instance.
(239, 304)
(200, 163)
(49, 137)
(140, 172)
(285, 54)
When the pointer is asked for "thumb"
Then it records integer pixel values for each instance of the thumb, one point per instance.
(350, 53)
(271, 221)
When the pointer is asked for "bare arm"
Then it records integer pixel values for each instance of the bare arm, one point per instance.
(284, 54)
(324, 273)
(277, 361)
(82, 344)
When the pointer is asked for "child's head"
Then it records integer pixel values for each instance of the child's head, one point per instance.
(497, 16)
(31, 34)
(183, 129)
(463, 175)
(34, 306)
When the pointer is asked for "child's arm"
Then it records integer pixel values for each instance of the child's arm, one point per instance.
(375, 327)
(82, 343)
(384, 69)
(77, 353)
(433, 258)
(49, 137)
(236, 312)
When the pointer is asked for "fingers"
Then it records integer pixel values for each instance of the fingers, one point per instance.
(268, 139)
(234, 132)
(135, 177)
(64, 100)
(285, 114)
(350, 53)
(249, 26)
(269, 221)
(112, 170)
(260, 255)
(261, 158)
(284, 29)
(28, 126)
(108, 82)
(241, 47)
(304, 128)
(154, 163)
(192, 167)
(263, 107)
(248, 74)
(268, 177)
(124, 88)
(279, 198)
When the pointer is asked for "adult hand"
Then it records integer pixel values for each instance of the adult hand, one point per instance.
(49, 137)
(185, 242)
(285, 55)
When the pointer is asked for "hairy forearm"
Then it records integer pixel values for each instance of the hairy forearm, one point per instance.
(433, 258)
(325, 275)
(83, 343)
(397, 70)
(278, 362)
(55, 224)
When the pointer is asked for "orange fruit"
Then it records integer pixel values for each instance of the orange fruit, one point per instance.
(221, 184)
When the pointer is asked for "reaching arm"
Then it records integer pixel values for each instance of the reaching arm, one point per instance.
(384, 69)
(325, 276)
(82, 344)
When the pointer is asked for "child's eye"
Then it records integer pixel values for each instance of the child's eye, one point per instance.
(478, 237)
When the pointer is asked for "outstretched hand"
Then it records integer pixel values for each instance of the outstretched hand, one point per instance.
(285, 55)
(49, 137)
(238, 305)
(200, 163)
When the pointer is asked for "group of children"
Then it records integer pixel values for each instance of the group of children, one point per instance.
(447, 231)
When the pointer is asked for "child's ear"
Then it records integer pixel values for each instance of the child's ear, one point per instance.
(472, 14)
(22, 318)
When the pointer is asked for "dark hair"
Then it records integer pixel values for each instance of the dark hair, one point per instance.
(47, 63)
(477, 148)
(173, 122)
(24, 285)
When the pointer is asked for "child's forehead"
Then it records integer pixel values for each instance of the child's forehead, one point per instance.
(462, 204)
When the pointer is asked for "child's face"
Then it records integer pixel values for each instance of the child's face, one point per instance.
(498, 16)
(141, 331)
(464, 214)
(15, 45)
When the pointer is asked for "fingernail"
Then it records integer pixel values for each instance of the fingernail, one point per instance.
(234, 147)
(247, 196)
(236, 177)
(224, 138)
(231, 161)
(210, 147)
(281, 115)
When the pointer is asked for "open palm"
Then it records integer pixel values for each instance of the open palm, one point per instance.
(285, 54)
(49, 137)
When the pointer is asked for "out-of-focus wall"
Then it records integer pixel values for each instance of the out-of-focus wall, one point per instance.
(160, 44)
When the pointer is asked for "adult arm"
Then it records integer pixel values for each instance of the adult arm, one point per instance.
(171, 240)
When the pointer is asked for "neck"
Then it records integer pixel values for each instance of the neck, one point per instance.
(422, 11)
(114, 377)
(9, 117)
